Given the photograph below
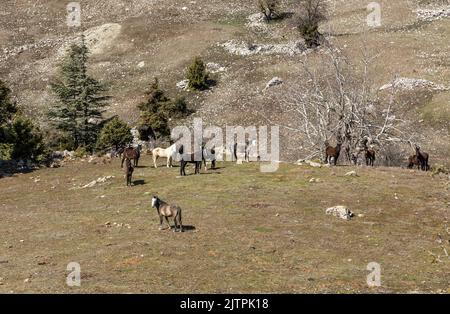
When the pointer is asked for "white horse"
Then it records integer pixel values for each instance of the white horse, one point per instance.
(169, 153)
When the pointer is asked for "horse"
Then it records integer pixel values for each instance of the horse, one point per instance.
(370, 156)
(422, 157)
(412, 161)
(168, 153)
(332, 152)
(131, 153)
(190, 158)
(128, 171)
(165, 210)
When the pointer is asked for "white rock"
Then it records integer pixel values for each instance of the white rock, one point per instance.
(141, 64)
(313, 164)
(352, 174)
(340, 211)
(183, 84)
(274, 82)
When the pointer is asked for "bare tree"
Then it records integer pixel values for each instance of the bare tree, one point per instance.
(310, 14)
(337, 100)
(270, 8)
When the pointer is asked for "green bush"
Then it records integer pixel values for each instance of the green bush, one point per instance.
(28, 141)
(80, 152)
(115, 134)
(196, 74)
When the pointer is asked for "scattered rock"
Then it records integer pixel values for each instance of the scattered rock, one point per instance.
(141, 64)
(433, 14)
(244, 49)
(184, 84)
(214, 68)
(314, 180)
(273, 82)
(351, 174)
(340, 211)
(411, 84)
(313, 164)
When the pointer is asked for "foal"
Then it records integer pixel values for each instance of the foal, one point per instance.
(412, 161)
(128, 171)
(165, 210)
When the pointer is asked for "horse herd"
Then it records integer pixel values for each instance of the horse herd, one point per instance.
(419, 159)
(164, 210)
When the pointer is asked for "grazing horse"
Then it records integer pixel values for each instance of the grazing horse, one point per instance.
(128, 171)
(132, 153)
(168, 153)
(412, 161)
(165, 210)
(422, 157)
(190, 158)
(370, 156)
(332, 152)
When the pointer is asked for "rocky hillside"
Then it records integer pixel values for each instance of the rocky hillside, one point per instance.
(133, 41)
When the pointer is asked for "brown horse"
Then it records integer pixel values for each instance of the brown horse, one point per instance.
(412, 161)
(128, 171)
(190, 158)
(131, 153)
(332, 152)
(165, 210)
(422, 158)
(370, 156)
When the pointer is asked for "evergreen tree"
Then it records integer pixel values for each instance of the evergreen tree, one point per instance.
(7, 110)
(159, 109)
(81, 99)
(114, 134)
(28, 140)
(197, 75)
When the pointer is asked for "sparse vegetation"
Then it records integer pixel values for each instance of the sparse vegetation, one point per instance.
(270, 8)
(310, 14)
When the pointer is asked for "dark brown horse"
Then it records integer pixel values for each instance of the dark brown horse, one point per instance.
(190, 158)
(128, 171)
(131, 153)
(370, 156)
(332, 152)
(412, 161)
(422, 157)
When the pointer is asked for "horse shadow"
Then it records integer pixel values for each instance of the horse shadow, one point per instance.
(139, 182)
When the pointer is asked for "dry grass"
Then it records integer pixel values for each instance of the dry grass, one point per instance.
(254, 232)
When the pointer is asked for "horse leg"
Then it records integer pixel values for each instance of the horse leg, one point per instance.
(160, 222)
(123, 159)
(155, 157)
(168, 223)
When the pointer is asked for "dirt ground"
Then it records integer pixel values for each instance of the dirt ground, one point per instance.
(247, 231)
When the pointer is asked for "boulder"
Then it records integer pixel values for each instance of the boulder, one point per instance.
(340, 212)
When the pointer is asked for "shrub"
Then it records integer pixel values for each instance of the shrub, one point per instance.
(115, 134)
(269, 8)
(80, 152)
(196, 74)
(28, 143)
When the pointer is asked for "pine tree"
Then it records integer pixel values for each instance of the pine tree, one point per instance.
(7, 110)
(159, 109)
(115, 134)
(81, 99)
(197, 75)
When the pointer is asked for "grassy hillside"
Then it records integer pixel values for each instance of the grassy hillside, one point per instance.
(248, 231)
